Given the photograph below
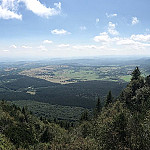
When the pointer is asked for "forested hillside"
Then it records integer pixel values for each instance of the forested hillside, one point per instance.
(81, 94)
(121, 123)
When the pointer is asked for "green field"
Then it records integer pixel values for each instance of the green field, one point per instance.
(126, 78)
(65, 74)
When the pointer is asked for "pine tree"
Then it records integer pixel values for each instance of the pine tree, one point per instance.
(84, 116)
(46, 136)
(136, 82)
(41, 118)
(98, 108)
(147, 81)
(109, 99)
(136, 74)
(98, 105)
(23, 110)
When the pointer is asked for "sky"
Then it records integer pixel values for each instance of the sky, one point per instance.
(43, 29)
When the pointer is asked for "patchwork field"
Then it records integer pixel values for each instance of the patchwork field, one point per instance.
(71, 74)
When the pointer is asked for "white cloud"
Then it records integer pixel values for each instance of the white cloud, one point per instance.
(129, 43)
(134, 42)
(141, 37)
(8, 14)
(82, 28)
(41, 10)
(112, 29)
(60, 32)
(97, 20)
(13, 46)
(10, 4)
(111, 15)
(135, 20)
(125, 41)
(47, 42)
(63, 45)
(103, 37)
(9, 9)
(26, 47)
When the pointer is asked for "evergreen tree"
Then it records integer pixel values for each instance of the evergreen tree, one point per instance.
(98, 105)
(129, 92)
(147, 81)
(98, 108)
(23, 110)
(109, 99)
(46, 136)
(120, 124)
(84, 116)
(41, 118)
(136, 74)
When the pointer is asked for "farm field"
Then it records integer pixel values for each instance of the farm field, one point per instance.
(64, 74)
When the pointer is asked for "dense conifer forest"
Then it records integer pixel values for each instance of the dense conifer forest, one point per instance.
(121, 123)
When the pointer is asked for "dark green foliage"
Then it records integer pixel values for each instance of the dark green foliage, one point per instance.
(129, 94)
(141, 101)
(84, 116)
(98, 108)
(120, 125)
(85, 129)
(98, 105)
(25, 82)
(147, 81)
(110, 126)
(23, 110)
(5, 143)
(109, 99)
(136, 74)
(20, 135)
(136, 84)
(49, 111)
(123, 124)
(24, 130)
(64, 123)
(47, 136)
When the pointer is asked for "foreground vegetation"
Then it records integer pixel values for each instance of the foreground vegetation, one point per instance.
(120, 124)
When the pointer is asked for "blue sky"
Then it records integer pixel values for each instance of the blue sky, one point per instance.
(69, 28)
